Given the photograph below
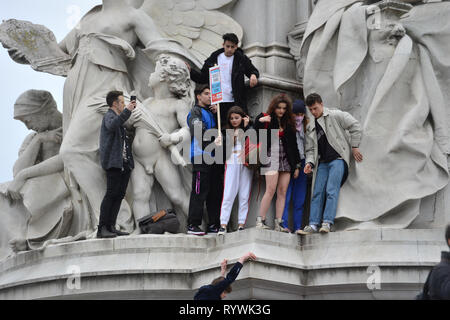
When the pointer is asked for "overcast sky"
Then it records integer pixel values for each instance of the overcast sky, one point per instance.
(57, 15)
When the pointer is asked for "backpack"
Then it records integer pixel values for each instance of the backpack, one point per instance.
(159, 222)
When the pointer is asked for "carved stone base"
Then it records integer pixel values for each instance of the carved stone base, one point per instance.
(334, 266)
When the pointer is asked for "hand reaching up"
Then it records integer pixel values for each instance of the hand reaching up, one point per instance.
(247, 256)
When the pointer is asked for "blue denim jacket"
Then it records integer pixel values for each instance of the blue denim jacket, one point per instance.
(112, 139)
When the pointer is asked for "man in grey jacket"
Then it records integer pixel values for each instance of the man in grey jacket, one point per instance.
(329, 151)
(117, 160)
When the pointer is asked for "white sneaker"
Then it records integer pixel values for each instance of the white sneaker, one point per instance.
(279, 226)
(326, 228)
(222, 231)
(261, 224)
(307, 230)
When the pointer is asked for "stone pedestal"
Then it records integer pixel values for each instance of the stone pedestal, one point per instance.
(334, 266)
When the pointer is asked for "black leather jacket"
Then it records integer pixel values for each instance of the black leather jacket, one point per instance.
(242, 66)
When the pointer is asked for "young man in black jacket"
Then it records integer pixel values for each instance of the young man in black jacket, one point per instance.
(437, 285)
(234, 66)
(117, 160)
(221, 286)
(207, 185)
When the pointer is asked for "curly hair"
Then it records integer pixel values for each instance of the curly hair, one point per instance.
(176, 74)
(288, 120)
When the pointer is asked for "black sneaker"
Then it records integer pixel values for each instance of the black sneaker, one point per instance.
(241, 229)
(222, 231)
(104, 233)
(118, 232)
(213, 229)
(195, 231)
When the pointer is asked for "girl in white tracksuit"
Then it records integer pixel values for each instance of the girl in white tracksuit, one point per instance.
(238, 178)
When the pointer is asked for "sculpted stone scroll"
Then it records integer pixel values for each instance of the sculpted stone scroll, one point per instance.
(32, 44)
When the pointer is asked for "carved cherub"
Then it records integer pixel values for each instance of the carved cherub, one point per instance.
(163, 124)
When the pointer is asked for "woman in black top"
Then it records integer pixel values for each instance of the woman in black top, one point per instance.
(284, 158)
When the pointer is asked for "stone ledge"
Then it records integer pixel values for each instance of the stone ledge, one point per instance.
(301, 266)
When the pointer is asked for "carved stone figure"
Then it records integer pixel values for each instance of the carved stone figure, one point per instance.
(114, 47)
(163, 125)
(101, 46)
(39, 192)
(376, 63)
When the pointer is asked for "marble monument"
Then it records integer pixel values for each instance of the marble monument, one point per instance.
(382, 61)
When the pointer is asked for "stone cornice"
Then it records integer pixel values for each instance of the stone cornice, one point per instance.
(266, 51)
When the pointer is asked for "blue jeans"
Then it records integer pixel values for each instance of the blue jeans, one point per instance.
(297, 189)
(326, 189)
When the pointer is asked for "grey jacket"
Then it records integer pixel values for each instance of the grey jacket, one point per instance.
(112, 135)
(342, 130)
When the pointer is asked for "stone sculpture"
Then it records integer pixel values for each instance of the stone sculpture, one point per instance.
(23, 39)
(374, 61)
(47, 215)
(161, 126)
(114, 47)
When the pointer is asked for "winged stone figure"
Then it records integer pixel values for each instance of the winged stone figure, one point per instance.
(113, 48)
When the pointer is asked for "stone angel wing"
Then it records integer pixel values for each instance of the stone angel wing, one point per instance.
(197, 24)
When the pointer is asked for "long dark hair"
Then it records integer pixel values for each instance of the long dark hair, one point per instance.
(288, 120)
(238, 110)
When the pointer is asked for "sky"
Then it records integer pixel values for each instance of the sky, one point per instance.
(57, 15)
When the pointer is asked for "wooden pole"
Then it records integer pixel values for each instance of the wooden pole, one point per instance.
(219, 124)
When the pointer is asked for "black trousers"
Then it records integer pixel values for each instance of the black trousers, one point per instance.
(207, 186)
(116, 187)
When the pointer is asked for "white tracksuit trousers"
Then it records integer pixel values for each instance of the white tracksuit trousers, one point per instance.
(238, 179)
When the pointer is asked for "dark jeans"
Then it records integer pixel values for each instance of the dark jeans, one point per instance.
(116, 187)
(207, 185)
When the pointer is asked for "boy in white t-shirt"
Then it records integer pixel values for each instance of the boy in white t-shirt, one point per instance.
(234, 66)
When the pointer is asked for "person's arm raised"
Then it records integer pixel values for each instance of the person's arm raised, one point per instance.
(112, 122)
